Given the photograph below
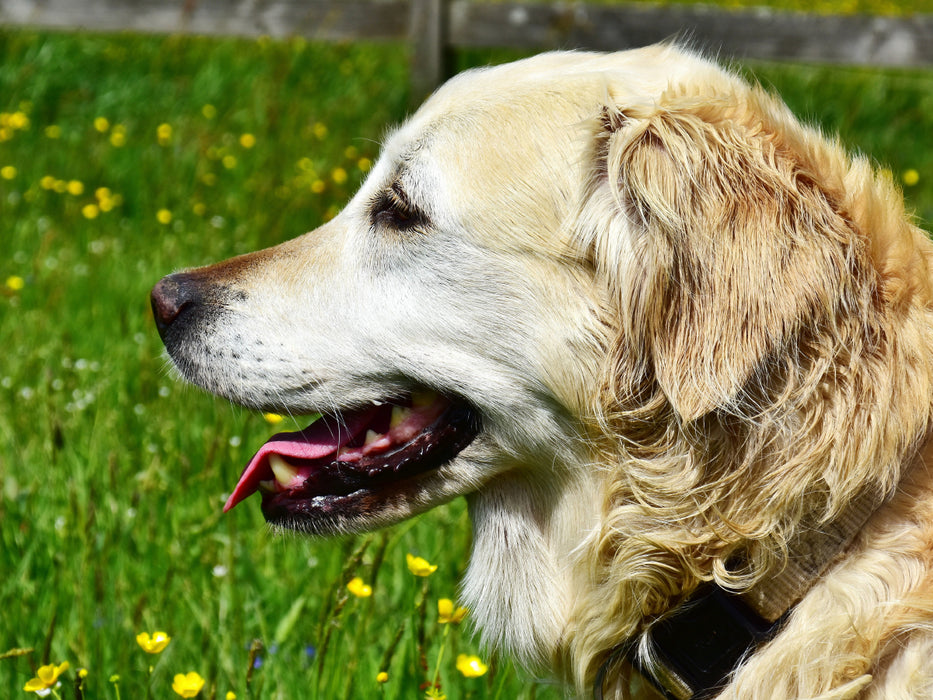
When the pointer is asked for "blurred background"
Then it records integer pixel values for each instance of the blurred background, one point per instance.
(140, 138)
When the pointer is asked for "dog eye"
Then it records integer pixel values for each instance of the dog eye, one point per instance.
(393, 209)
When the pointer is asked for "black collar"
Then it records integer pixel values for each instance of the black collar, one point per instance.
(689, 653)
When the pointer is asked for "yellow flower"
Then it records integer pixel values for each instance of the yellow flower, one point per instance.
(53, 131)
(434, 693)
(911, 177)
(111, 202)
(382, 677)
(14, 283)
(419, 566)
(320, 130)
(358, 588)
(273, 418)
(164, 216)
(446, 612)
(164, 134)
(230, 695)
(102, 124)
(47, 182)
(199, 208)
(471, 666)
(247, 140)
(83, 673)
(318, 186)
(339, 175)
(106, 199)
(187, 685)
(18, 121)
(46, 677)
(350, 152)
(209, 111)
(118, 136)
(229, 162)
(8, 172)
(75, 187)
(90, 211)
(364, 164)
(153, 644)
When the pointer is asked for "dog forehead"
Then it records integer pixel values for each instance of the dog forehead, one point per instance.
(537, 109)
(490, 131)
(510, 147)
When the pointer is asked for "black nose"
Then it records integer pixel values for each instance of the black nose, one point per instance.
(172, 297)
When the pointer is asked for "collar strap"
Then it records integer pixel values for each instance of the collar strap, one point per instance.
(690, 653)
(812, 553)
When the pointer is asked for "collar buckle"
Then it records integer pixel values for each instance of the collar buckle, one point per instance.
(689, 655)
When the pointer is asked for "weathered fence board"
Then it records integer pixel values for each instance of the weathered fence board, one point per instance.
(327, 20)
(764, 34)
(430, 47)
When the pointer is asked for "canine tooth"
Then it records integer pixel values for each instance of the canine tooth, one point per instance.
(284, 472)
(372, 436)
(399, 415)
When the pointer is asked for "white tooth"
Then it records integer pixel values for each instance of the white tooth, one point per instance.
(284, 472)
(399, 414)
(374, 402)
(372, 436)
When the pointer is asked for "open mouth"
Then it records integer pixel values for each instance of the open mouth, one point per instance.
(346, 464)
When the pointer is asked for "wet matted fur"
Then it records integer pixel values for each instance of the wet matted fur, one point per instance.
(685, 326)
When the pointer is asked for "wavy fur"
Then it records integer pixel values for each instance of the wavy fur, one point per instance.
(772, 365)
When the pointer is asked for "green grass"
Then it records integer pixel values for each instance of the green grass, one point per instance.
(112, 474)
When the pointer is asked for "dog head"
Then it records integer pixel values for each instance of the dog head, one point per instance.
(600, 296)
(451, 285)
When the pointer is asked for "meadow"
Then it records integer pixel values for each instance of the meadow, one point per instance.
(123, 158)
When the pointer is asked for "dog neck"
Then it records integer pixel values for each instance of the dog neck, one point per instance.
(690, 654)
(521, 580)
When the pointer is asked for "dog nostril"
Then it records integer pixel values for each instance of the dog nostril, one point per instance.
(170, 297)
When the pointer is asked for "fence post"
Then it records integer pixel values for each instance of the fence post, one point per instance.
(430, 55)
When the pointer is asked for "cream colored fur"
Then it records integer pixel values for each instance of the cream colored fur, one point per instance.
(692, 327)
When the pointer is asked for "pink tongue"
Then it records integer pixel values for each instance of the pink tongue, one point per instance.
(320, 439)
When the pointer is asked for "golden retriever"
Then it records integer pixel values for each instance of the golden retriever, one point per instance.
(669, 343)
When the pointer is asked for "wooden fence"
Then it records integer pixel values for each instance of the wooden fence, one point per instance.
(435, 27)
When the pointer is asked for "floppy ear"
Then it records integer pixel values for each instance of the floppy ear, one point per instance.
(734, 245)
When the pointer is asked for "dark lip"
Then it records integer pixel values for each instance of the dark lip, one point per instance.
(358, 491)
